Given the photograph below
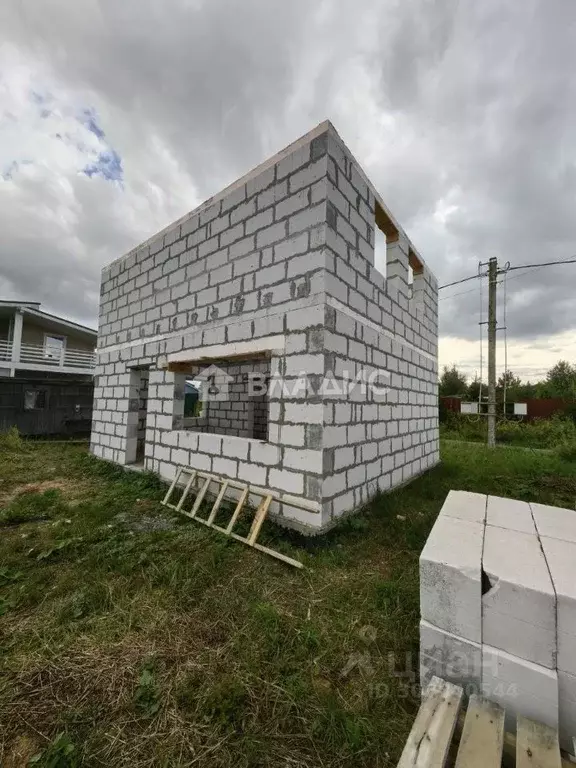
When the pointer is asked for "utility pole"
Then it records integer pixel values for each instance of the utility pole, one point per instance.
(492, 279)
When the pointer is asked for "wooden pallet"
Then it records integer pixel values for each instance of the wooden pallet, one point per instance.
(206, 483)
(482, 743)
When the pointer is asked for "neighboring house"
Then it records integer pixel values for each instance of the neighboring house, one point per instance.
(46, 371)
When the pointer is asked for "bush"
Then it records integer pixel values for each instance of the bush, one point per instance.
(540, 433)
(511, 432)
(548, 433)
(570, 412)
(567, 450)
(463, 427)
(11, 440)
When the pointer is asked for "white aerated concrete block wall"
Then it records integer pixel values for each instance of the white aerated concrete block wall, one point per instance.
(280, 266)
(519, 608)
(520, 687)
(450, 657)
(498, 605)
(451, 578)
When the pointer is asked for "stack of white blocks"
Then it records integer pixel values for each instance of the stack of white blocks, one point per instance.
(498, 606)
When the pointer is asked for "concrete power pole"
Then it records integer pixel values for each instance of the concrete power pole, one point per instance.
(492, 279)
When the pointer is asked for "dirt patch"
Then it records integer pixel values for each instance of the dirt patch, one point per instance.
(71, 489)
(19, 752)
(146, 523)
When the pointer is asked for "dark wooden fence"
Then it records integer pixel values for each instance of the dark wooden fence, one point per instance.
(38, 407)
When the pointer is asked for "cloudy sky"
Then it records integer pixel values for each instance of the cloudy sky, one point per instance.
(118, 117)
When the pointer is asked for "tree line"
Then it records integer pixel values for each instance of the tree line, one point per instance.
(560, 381)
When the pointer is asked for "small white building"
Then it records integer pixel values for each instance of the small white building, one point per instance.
(276, 279)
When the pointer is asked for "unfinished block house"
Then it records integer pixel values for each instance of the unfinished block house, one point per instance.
(275, 280)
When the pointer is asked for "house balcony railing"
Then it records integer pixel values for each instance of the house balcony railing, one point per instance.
(36, 356)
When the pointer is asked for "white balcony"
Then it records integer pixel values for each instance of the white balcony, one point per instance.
(44, 358)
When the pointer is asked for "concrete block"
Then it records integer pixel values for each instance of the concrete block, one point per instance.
(555, 522)
(561, 559)
(264, 453)
(291, 247)
(309, 175)
(307, 218)
(293, 482)
(272, 195)
(511, 514)
(519, 609)
(295, 342)
(241, 248)
(271, 235)
(180, 457)
(304, 460)
(261, 220)
(201, 461)
(304, 364)
(450, 577)
(334, 484)
(292, 435)
(300, 516)
(225, 467)
(465, 506)
(520, 686)
(304, 413)
(296, 159)
(449, 657)
(292, 204)
(343, 457)
(210, 443)
(243, 211)
(253, 474)
(270, 275)
(567, 711)
(234, 198)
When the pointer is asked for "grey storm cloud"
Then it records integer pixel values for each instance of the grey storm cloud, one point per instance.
(462, 114)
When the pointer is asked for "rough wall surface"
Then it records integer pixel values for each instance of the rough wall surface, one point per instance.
(236, 411)
(498, 606)
(281, 263)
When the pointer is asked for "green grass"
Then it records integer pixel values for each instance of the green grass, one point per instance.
(557, 433)
(121, 645)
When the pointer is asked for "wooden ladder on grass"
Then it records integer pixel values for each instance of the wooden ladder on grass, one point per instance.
(482, 740)
(205, 480)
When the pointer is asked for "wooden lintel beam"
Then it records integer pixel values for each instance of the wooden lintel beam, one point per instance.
(415, 263)
(385, 224)
(184, 366)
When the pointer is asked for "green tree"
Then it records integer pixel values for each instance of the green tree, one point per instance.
(452, 382)
(528, 390)
(513, 387)
(474, 389)
(561, 380)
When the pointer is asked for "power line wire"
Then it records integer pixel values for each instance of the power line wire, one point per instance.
(461, 293)
(464, 280)
(525, 274)
(520, 266)
(543, 264)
